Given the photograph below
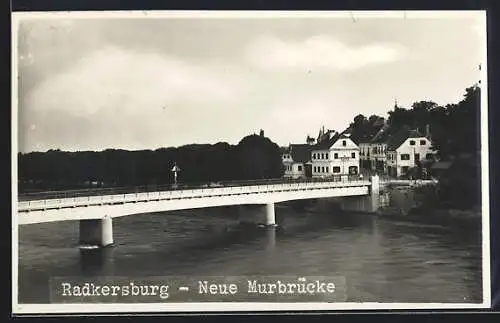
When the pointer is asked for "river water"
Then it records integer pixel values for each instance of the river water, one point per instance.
(382, 260)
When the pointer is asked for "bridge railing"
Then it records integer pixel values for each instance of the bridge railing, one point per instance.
(199, 192)
(49, 195)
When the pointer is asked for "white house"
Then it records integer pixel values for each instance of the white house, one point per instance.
(335, 154)
(297, 160)
(406, 149)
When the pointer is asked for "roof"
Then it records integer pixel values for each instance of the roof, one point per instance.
(400, 137)
(327, 143)
(301, 153)
(382, 135)
(369, 135)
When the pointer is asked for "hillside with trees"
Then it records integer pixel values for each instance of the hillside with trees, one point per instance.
(455, 133)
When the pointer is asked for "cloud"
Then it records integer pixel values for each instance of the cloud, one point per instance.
(318, 52)
(116, 97)
(307, 112)
(128, 81)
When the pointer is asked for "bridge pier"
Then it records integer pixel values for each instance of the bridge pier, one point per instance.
(258, 214)
(270, 214)
(96, 232)
(365, 203)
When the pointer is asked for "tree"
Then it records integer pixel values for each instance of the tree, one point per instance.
(258, 158)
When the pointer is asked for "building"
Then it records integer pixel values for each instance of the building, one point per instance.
(408, 149)
(378, 151)
(372, 148)
(297, 160)
(334, 154)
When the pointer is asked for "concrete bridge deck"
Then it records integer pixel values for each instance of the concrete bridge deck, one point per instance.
(96, 208)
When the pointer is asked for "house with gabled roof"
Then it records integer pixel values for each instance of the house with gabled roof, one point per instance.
(297, 160)
(335, 154)
(407, 149)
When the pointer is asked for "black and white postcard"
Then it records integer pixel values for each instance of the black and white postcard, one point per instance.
(176, 161)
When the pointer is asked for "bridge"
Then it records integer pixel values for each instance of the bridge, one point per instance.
(95, 209)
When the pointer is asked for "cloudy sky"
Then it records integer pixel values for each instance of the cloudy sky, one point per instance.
(150, 82)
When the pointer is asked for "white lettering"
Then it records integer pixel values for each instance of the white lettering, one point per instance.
(163, 291)
(66, 289)
(216, 289)
(77, 291)
(252, 286)
(114, 290)
(105, 290)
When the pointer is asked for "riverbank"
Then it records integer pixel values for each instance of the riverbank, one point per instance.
(449, 217)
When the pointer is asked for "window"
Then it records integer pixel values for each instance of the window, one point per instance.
(353, 170)
(417, 157)
(299, 168)
(336, 156)
(423, 142)
(404, 170)
(322, 156)
(314, 169)
(326, 155)
(344, 143)
(336, 169)
(322, 169)
(429, 156)
(405, 156)
(327, 169)
(412, 142)
(314, 156)
(353, 155)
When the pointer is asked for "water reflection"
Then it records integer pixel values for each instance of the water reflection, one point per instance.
(97, 262)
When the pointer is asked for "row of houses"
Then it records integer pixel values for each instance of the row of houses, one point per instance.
(333, 154)
(338, 154)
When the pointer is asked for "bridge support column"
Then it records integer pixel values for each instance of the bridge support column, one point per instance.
(261, 214)
(270, 214)
(96, 232)
(366, 203)
(374, 193)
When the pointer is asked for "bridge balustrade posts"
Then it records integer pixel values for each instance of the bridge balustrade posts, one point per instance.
(96, 232)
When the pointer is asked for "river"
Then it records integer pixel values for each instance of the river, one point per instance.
(382, 260)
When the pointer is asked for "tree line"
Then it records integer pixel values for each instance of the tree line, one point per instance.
(254, 157)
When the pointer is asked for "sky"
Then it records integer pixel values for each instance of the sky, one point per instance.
(146, 82)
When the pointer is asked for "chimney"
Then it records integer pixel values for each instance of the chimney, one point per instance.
(310, 140)
(261, 133)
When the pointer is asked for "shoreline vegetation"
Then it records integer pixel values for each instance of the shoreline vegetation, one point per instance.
(454, 131)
